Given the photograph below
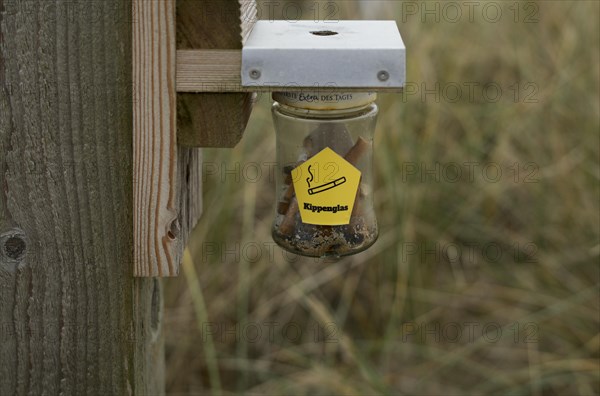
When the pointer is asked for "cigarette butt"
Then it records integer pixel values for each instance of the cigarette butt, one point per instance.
(288, 169)
(282, 207)
(357, 210)
(289, 221)
(289, 205)
(289, 193)
(359, 148)
(352, 156)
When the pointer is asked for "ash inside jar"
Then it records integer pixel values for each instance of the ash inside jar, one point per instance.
(322, 241)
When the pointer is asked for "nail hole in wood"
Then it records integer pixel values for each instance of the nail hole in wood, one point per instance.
(174, 230)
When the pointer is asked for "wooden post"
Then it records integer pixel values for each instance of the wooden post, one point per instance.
(156, 210)
(169, 127)
(73, 319)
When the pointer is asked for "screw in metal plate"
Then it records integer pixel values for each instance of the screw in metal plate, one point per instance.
(254, 74)
(383, 75)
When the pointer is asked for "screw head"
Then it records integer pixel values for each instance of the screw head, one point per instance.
(254, 74)
(383, 75)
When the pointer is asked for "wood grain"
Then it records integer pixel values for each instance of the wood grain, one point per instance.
(209, 70)
(214, 118)
(156, 218)
(73, 320)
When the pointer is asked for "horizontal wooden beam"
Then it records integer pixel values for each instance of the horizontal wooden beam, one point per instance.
(219, 71)
(209, 70)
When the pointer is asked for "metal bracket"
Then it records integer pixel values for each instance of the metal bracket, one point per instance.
(345, 54)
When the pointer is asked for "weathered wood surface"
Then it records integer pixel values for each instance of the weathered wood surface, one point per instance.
(189, 186)
(156, 220)
(209, 71)
(213, 119)
(73, 320)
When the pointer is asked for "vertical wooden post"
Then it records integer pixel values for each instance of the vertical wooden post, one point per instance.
(156, 224)
(73, 319)
(168, 127)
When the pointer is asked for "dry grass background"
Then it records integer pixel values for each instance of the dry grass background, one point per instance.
(523, 323)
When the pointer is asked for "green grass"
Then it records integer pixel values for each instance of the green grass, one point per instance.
(541, 293)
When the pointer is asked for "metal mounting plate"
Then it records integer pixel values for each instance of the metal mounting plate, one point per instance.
(348, 54)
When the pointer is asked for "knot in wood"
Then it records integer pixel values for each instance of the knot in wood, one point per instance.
(13, 245)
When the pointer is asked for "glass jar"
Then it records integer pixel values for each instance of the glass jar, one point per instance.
(324, 183)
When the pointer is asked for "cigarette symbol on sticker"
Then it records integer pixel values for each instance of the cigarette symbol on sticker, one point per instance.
(327, 186)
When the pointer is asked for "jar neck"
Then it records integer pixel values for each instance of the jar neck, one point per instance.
(325, 114)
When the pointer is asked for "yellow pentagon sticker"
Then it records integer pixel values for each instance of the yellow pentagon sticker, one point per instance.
(325, 187)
